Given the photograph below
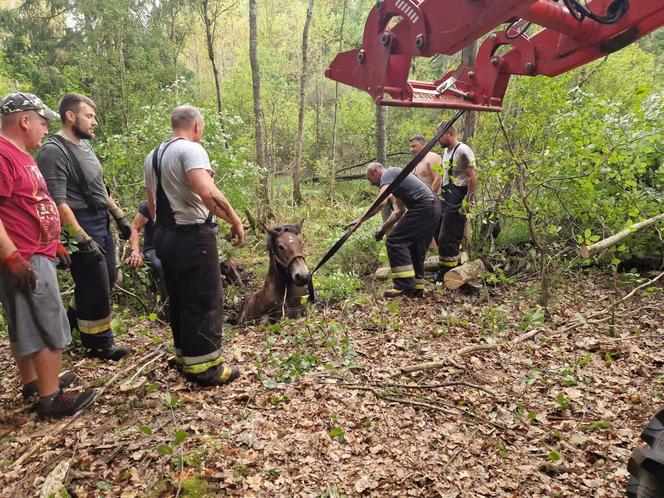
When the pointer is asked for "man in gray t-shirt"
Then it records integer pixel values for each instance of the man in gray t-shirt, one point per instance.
(183, 201)
(181, 156)
(415, 214)
(75, 180)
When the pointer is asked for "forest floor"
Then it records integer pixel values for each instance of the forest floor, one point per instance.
(323, 409)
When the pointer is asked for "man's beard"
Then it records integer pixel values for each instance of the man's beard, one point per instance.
(80, 133)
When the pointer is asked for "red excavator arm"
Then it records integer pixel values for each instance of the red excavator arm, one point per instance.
(573, 33)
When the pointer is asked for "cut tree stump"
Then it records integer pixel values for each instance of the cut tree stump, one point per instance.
(463, 274)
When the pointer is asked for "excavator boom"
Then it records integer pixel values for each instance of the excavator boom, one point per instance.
(572, 34)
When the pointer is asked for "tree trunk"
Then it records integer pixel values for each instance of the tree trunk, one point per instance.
(261, 152)
(319, 104)
(209, 39)
(469, 125)
(336, 97)
(381, 131)
(297, 194)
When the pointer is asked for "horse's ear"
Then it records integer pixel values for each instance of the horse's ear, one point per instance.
(299, 226)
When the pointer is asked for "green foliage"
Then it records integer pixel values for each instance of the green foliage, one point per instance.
(337, 286)
(494, 321)
(171, 400)
(563, 402)
(338, 434)
(196, 487)
(532, 318)
(592, 151)
(359, 256)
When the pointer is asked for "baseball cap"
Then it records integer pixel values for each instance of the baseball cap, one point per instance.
(19, 102)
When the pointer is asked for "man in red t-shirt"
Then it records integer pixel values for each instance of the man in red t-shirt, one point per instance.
(29, 243)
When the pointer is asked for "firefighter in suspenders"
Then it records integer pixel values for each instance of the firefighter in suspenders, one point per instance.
(458, 191)
(184, 201)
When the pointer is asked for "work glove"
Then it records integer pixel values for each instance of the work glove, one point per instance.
(88, 247)
(21, 270)
(121, 221)
(63, 256)
(379, 235)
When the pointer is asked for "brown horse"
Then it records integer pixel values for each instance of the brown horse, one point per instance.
(286, 280)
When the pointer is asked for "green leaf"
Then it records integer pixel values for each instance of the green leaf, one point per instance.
(152, 317)
(145, 430)
(164, 449)
(180, 437)
(338, 434)
(270, 384)
(104, 485)
(171, 401)
(554, 456)
(393, 307)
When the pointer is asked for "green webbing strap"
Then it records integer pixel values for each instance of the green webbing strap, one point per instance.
(390, 188)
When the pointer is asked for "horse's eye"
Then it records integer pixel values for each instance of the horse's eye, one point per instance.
(281, 247)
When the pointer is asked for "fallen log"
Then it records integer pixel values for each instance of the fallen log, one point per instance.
(463, 274)
(591, 250)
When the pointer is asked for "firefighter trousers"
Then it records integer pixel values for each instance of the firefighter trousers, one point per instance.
(452, 226)
(408, 242)
(90, 308)
(190, 265)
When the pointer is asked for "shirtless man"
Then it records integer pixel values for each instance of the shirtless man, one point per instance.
(429, 170)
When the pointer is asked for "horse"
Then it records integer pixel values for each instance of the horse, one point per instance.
(286, 281)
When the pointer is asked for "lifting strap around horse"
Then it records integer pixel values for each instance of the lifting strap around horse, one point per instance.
(390, 188)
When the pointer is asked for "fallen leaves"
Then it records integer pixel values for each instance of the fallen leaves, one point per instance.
(347, 421)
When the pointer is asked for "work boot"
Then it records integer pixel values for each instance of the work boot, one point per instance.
(219, 375)
(64, 404)
(394, 292)
(228, 374)
(112, 353)
(66, 379)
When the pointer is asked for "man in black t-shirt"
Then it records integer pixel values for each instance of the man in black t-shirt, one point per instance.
(416, 206)
(142, 222)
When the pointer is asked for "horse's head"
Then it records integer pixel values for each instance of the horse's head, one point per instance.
(287, 249)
